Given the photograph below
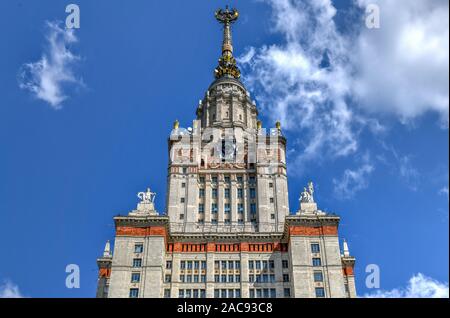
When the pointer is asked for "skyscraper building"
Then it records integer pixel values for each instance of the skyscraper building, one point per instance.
(227, 231)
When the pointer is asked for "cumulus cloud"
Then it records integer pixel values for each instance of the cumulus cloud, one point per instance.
(353, 181)
(9, 290)
(48, 77)
(304, 82)
(403, 66)
(419, 286)
(327, 86)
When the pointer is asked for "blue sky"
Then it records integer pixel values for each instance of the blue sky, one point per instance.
(369, 126)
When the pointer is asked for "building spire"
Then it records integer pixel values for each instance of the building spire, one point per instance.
(346, 250)
(227, 63)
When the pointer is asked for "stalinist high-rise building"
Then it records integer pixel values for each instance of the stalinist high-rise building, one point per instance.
(228, 231)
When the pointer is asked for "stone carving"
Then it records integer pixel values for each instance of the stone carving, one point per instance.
(147, 197)
(307, 196)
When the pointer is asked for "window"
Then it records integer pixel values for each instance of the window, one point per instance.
(166, 293)
(188, 293)
(315, 248)
(188, 279)
(252, 193)
(214, 221)
(287, 292)
(214, 193)
(237, 293)
(240, 179)
(167, 279)
(320, 292)
(138, 248)
(183, 265)
(202, 293)
(137, 262)
(252, 179)
(240, 221)
(266, 292)
(230, 265)
(224, 265)
(230, 278)
(216, 278)
(169, 265)
(181, 216)
(227, 208)
(285, 278)
(240, 193)
(227, 221)
(223, 279)
(284, 264)
(317, 262)
(250, 264)
(201, 193)
(184, 170)
(237, 265)
(189, 264)
(252, 293)
(214, 180)
(265, 278)
(237, 279)
(196, 278)
(134, 293)
(240, 208)
(230, 293)
(272, 216)
(182, 200)
(223, 293)
(227, 193)
(318, 277)
(201, 208)
(271, 200)
(196, 265)
(258, 264)
(202, 179)
(251, 278)
(182, 278)
(272, 278)
(135, 277)
(271, 264)
(265, 264)
(216, 264)
(273, 293)
(203, 278)
(203, 264)
(216, 293)
(183, 185)
(227, 180)
(270, 185)
(195, 293)
(214, 208)
(253, 208)
(181, 293)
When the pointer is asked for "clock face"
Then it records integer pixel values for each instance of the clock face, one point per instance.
(228, 151)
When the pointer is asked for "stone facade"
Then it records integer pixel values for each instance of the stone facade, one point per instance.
(227, 230)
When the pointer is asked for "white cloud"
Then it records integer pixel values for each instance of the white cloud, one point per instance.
(419, 286)
(353, 181)
(9, 290)
(444, 192)
(327, 86)
(46, 78)
(304, 82)
(403, 66)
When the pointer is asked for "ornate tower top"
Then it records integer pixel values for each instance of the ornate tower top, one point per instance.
(227, 63)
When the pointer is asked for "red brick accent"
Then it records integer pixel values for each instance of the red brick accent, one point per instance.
(227, 247)
(348, 271)
(104, 272)
(141, 231)
(313, 230)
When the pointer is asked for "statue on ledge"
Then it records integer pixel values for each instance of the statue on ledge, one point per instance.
(307, 196)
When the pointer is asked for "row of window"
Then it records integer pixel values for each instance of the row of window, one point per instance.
(191, 293)
(193, 264)
(224, 265)
(227, 179)
(190, 279)
(227, 208)
(227, 278)
(227, 193)
(227, 293)
(270, 264)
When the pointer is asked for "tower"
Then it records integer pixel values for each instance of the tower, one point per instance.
(227, 230)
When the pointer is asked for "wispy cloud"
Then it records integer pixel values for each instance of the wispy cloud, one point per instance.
(9, 290)
(48, 78)
(444, 192)
(327, 86)
(419, 286)
(353, 181)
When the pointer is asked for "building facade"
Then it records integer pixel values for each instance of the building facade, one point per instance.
(227, 231)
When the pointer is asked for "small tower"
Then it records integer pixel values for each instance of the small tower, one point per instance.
(104, 271)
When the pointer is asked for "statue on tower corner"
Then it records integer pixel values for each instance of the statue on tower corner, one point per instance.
(146, 205)
(307, 196)
(147, 197)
